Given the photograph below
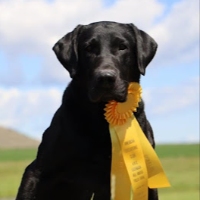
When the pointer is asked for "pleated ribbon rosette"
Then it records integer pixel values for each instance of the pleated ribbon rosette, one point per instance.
(135, 165)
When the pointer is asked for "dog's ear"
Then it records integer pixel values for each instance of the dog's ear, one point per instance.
(67, 52)
(146, 48)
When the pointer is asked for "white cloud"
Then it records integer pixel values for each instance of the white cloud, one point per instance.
(128, 11)
(170, 99)
(178, 33)
(29, 111)
(39, 22)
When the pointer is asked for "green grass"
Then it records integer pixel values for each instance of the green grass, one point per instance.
(12, 165)
(183, 174)
(10, 176)
(180, 162)
(174, 151)
(7, 155)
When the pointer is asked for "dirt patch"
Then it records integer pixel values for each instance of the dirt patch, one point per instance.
(13, 139)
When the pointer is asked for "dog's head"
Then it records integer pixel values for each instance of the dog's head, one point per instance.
(105, 57)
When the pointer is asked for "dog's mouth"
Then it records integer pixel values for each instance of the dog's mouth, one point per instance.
(97, 94)
(106, 98)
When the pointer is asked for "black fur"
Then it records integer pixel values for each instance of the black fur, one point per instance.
(74, 157)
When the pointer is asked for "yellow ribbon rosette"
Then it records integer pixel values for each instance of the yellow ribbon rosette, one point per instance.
(135, 165)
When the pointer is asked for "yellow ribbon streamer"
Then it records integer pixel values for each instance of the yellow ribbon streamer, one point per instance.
(133, 153)
(135, 165)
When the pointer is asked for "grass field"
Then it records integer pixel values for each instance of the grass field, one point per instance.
(181, 164)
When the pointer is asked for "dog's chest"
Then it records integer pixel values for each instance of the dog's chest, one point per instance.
(83, 139)
(88, 138)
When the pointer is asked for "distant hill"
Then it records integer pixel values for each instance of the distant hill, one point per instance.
(10, 139)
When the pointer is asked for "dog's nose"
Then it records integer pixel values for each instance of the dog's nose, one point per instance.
(106, 79)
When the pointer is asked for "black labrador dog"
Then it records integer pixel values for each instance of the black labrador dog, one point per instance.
(74, 158)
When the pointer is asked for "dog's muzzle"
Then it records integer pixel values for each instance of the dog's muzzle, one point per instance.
(106, 79)
(106, 85)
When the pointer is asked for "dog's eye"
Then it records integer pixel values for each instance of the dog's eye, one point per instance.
(89, 48)
(122, 46)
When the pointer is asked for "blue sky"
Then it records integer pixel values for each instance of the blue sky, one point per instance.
(32, 80)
